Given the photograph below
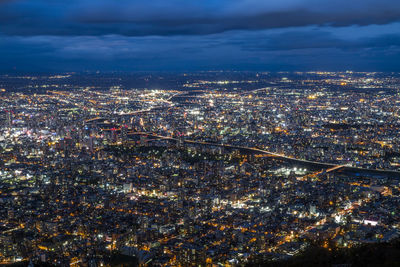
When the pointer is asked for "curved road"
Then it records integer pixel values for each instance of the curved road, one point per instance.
(328, 166)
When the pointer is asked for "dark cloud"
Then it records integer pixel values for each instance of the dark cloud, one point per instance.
(206, 34)
(306, 49)
(182, 17)
(295, 40)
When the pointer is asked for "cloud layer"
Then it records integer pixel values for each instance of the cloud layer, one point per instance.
(191, 35)
(181, 17)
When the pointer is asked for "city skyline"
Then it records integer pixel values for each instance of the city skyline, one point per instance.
(206, 169)
(199, 133)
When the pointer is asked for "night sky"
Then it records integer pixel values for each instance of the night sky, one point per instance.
(186, 35)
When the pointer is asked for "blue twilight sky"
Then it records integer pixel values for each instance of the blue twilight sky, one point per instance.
(135, 35)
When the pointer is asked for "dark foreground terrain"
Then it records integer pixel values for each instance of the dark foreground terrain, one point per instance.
(384, 254)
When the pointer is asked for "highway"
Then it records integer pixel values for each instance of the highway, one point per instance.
(328, 166)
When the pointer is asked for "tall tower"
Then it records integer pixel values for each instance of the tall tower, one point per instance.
(9, 118)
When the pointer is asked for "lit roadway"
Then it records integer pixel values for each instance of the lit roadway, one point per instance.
(250, 149)
(328, 166)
